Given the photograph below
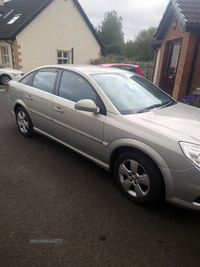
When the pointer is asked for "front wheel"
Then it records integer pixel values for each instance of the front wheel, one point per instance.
(5, 79)
(138, 178)
(24, 122)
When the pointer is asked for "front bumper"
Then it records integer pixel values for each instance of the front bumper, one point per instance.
(184, 188)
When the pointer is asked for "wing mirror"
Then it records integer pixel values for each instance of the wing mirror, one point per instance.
(87, 105)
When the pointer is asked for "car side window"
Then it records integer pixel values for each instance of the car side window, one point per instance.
(74, 88)
(118, 67)
(26, 79)
(44, 80)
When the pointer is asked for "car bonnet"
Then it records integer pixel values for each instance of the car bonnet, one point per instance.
(180, 121)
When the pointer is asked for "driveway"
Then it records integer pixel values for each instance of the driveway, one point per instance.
(59, 209)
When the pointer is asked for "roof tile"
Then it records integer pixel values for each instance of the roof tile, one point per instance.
(190, 9)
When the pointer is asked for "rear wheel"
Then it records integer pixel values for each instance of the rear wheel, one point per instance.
(24, 122)
(138, 178)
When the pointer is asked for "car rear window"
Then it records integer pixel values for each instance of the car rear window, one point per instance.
(128, 68)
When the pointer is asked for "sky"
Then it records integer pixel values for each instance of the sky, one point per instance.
(137, 15)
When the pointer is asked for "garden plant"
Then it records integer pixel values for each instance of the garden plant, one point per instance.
(191, 100)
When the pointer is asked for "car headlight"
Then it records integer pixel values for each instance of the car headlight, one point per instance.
(15, 74)
(192, 152)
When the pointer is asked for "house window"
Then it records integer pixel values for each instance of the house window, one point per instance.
(63, 57)
(8, 14)
(14, 19)
(5, 55)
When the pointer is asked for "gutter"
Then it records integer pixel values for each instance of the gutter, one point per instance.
(193, 66)
(11, 52)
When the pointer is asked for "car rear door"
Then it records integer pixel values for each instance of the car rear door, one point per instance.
(38, 98)
(79, 129)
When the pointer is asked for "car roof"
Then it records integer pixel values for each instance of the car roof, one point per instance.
(117, 64)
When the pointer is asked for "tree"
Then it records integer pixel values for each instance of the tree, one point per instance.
(140, 48)
(110, 31)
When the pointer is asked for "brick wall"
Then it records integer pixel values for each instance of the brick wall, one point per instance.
(16, 55)
(185, 60)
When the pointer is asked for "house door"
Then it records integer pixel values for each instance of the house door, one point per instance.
(172, 67)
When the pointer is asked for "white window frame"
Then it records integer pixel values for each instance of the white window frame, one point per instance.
(62, 56)
(5, 56)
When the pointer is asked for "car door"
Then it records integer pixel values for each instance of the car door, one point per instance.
(38, 97)
(79, 129)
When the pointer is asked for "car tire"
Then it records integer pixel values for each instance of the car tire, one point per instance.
(24, 122)
(5, 79)
(138, 178)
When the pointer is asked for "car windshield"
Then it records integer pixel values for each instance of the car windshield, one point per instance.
(132, 94)
(2, 67)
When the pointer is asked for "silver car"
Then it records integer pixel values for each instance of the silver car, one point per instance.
(120, 121)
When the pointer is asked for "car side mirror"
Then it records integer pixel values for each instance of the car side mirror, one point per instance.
(87, 105)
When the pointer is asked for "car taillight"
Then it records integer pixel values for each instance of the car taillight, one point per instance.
(8, 88)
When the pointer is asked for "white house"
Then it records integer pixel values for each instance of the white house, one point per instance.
(42, 32)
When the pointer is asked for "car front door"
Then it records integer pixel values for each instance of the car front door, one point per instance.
(81, 130)
(38, 98)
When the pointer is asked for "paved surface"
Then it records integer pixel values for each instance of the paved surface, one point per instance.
(48, 192)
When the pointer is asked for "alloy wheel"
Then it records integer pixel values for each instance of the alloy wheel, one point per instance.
(22, 122)
(5, 79)
(134, 178)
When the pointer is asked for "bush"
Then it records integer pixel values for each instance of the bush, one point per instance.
(191, 100)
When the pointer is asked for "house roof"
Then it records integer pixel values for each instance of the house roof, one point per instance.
(29, 9)
(187, 13)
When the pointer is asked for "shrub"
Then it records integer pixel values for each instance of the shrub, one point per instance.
(191, 100)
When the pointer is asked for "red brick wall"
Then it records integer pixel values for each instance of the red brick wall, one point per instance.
(185, 60)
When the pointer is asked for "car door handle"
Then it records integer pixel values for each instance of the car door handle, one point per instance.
(58, 109)
(29, 97)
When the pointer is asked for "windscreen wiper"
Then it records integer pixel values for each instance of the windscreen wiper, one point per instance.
(169, 103)
(150, 107)
(166, 104)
